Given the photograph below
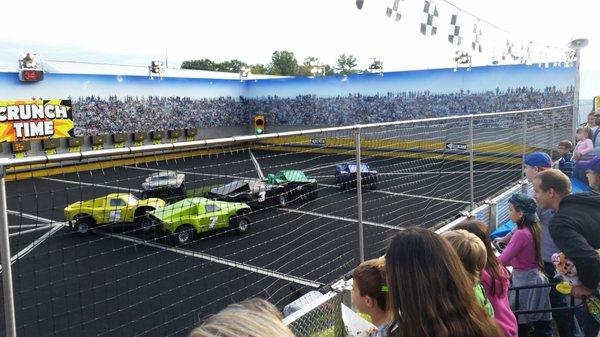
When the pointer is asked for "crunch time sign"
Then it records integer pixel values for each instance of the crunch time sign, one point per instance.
(35, 119)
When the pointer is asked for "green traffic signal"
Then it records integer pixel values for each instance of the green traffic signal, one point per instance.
(259, 131)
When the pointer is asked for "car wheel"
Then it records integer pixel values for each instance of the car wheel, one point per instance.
(242, 224)
(83, 226)
(312, 195)
(183, 235)
(146, 224)
(281, 200)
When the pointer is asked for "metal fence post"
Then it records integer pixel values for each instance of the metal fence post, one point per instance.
(471, 166)
(493, 215)
(575, 121)
(7, 285)
(552, 142)
(524, 186)
(361, 239)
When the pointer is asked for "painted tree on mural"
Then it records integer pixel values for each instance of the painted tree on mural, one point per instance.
(346, 64)
(231, 66)
(283, 63)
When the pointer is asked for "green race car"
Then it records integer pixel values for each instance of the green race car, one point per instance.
(187, 217)
(113, 208)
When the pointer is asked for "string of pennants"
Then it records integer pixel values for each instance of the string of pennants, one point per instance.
(472, 35)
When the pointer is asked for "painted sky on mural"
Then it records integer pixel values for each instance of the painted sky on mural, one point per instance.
(436, 81)
(478, 79)
(67, 85)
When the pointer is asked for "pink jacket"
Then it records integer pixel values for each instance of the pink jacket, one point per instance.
(502, 313)
(582, 148)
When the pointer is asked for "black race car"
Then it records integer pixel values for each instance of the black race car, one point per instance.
(345, 175)
(277, 190)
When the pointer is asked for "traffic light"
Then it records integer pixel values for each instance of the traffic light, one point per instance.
(259, 124)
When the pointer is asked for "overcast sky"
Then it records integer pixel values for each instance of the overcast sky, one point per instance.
(135, 32)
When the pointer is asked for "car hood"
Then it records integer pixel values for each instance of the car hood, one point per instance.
(175, 210)
(79, 204)
(152, 202)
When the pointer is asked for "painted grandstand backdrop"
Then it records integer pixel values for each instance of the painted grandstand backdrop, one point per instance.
(105, 104)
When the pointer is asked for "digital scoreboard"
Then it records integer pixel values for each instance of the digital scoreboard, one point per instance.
(31, 75)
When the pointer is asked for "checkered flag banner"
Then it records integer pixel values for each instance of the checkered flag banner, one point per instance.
(510, 51)
(430, 15)
(454, 35)
(476, 44)
(526, 53)
(394, 11)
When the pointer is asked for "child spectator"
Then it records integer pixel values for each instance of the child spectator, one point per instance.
(494, 279)
(566, 163)
(429, 291)
(523, 253)
(369, 293)
(250, 318)
(472, 254)
(584, 142)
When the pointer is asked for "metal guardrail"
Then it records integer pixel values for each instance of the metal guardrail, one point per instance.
(572, 307)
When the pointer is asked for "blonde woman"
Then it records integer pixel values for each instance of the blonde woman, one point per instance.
(473, 256)
(250, 318)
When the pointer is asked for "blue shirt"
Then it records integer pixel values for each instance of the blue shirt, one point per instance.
(566, 164)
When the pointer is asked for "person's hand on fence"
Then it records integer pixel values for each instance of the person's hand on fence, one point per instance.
(501, 243)
(581, 291)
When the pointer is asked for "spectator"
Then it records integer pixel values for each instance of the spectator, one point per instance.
(576, 230)
(596, 129)
(369, 293)
(430, 293)
(566, 163)
(494, 279)
(578, 171)
(250, 318)
(565, 322)
(583, 135)
(591, 120)
(592, 171)
(534, 163)
(472, 254)
(523, 253)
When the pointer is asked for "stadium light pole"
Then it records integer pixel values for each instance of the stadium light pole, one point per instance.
(577, 44)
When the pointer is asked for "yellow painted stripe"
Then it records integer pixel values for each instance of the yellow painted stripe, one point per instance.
(397, 154)
(512, 148)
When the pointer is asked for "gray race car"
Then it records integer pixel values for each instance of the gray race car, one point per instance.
(167, 185)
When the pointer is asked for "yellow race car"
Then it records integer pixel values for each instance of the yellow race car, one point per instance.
(113, 208)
